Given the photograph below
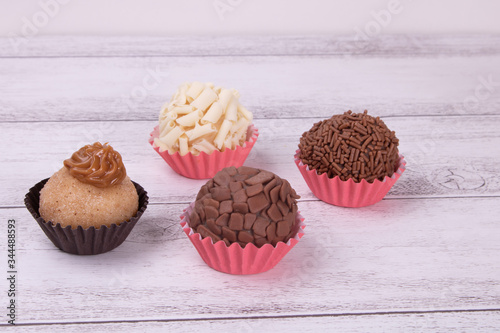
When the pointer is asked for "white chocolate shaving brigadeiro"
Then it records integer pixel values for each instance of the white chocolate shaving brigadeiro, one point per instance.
(201, 117)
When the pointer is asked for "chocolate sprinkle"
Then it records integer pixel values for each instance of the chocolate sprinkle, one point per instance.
(351, 146)
(245, 205)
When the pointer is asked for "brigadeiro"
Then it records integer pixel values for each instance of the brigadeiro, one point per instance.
(203, 129)
(350, 160)
(244, 220)
(90, 205)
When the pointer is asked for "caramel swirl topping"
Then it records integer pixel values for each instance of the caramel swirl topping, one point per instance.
(99, 165)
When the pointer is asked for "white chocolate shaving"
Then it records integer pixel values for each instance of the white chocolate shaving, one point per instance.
(205, 146)
(225, 96)
(172, 136)
(232, 111)
(206, 98)
(202, 117)
(213, 114)
(166, 127)
(183, 145)
(195, 90)
(184, 109)
(190, 119)
(223, 131)
(200, 131)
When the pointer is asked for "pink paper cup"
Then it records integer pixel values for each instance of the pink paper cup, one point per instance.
(205, 165)
(234, 259)
(348, 193)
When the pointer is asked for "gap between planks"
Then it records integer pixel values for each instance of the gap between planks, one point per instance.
(255, 118)
(313, 200)
(318, 315)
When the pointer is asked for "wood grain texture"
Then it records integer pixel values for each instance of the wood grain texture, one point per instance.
(135, 88)
(377, 46)
(487, 321)
(442, 153)
(423, 259)
(374, 259)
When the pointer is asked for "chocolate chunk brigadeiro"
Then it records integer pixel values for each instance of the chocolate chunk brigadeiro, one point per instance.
(245, 205)
(353, 146)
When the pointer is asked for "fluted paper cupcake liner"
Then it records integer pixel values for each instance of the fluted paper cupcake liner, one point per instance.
(234, 259)
(205, 165)
(348, 193)
(84, 241)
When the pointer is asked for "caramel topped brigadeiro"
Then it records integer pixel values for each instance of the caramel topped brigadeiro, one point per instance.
(99, 165)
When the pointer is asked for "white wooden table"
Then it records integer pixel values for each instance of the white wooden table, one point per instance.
(426, 258)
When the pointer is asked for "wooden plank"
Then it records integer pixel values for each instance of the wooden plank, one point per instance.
(487, 321)
(382, 45)
(447, 156)
(84, 89)
(404, 255)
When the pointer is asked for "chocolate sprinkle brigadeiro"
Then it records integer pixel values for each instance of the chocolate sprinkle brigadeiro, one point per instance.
(351, 145)
(245, 205)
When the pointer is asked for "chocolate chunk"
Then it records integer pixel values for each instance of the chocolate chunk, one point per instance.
(229, 234)
(231, 171)
(206, 196)
(222, 220)
(283, 208)
(240, 196)
(282, 229)
(199, 208)
(285, 190)
(290, 219)
(254, 189)
(274, 194)
(259, 226)
(243, 170)
(277, 240)
(260, 241)
(222, 178)
(204, 232)
(240, 207)
(235, 186)
(245, 237)
(220, 193)
(226, 241)
(249, 220)
(240, 177)
(236, 221)
(194, 220)
(203, 191)
(226, 207)
(271, 232)
(213, 227)
(211, 202)
(269, 187)
(263, 213)
(274, 213)
(260, 178)
(257, 203)
(211, 212)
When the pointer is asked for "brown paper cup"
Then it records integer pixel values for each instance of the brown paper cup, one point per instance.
(84, 241)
